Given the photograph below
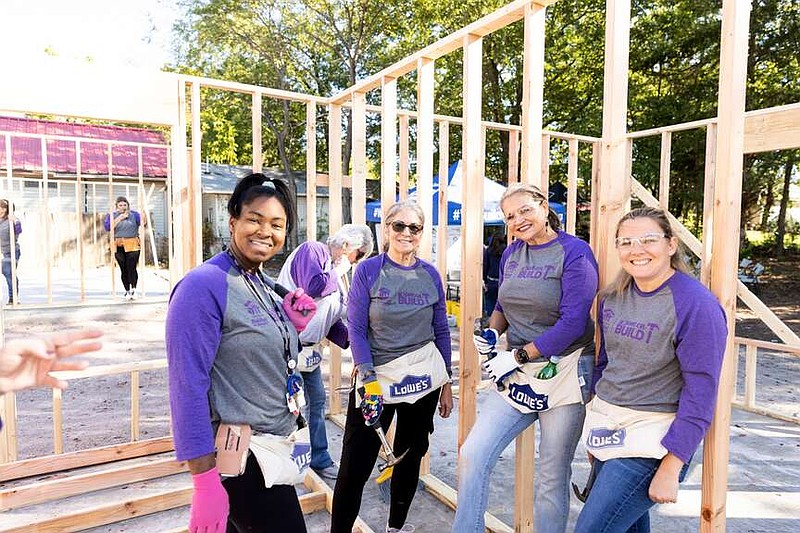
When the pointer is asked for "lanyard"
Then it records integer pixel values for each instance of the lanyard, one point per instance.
(280, 322)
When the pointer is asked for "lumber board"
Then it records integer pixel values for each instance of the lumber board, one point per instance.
(94, 456)
(108, 514)
(776, 128)
(71, 485)
(311, 171)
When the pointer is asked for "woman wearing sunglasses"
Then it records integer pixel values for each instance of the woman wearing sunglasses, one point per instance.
(663, 338)
(548, 280)
(318, 269)
(401, 350)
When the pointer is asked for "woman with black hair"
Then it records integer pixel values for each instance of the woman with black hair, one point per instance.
(232, 345)
(124, 228)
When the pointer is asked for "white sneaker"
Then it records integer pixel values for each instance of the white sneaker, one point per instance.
(134, 294)
(127, 295)
(407, 528)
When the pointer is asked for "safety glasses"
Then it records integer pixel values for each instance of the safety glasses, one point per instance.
(400, 227)
(648, 239)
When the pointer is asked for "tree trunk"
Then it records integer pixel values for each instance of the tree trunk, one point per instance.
(787, 181)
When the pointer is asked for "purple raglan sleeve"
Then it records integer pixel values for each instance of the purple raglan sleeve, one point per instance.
(578, 288)
(193, 332)
(700, 336)
(107, 222)
(602, 359)
(358, 301)
(338, 334)
(17, 227)
(307, 270)
(441, 331)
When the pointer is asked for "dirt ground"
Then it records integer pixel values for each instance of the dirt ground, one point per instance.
(780, 290)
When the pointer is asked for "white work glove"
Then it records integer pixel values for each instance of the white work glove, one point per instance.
(501, 365)
(486, 341)
(342, 266)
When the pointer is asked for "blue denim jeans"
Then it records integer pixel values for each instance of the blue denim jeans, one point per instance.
(7, 275)
(497, 426)
(315, 396)
(618, 502)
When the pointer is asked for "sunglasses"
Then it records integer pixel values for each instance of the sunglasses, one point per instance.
(400, 227)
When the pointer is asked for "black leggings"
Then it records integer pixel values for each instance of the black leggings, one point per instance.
(127, 262)
(258, 509)
(360, 450)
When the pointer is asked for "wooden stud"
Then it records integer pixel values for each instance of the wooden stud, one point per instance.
(725, 246)
(403, 164)
(441, 231)
(544, 175)
(134, 406)
(613, 187)
(388, 145)
(195, 240)
(359, 158)
(258, 153)
(708, 203)
(79, 211)
(424, 152)
(178, 169)
(513, 157)
(58, 422)
(45, 218)
(8, 436)
(532, 95)
(140, 197)
(572, 186)
(664, 170)
(448, 496)
(751, 364)
(471, 230)
(335, 167)
(311, 171)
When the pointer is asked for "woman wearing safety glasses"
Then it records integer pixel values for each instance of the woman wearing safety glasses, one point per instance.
(401, 350)
(663, 338)
(548, 280)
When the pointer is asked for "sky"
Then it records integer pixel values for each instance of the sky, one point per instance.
(124, 33)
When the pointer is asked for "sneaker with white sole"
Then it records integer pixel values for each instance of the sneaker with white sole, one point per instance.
(134, 295)
(127, 295)
(407, 528)
(329, 472)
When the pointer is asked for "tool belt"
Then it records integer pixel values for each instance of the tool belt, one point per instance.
(129, 244)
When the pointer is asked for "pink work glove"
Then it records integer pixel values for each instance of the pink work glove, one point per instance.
(209, 512)
(300, 308)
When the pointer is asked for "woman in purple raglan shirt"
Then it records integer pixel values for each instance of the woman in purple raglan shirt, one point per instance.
(401, 348)
(663, 339)
(232, 349)
(125, 227)
(548, 281)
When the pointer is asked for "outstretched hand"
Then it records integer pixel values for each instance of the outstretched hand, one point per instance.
(26, 363)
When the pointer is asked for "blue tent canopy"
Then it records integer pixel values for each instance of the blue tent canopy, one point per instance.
(492, 215)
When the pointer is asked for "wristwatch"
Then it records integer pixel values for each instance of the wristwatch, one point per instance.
(521, 356)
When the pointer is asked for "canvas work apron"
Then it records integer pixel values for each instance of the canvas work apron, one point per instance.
(283, 460)
(411, 376)
(613, 432)
(129, 244)
(528, 394)
(309, 358)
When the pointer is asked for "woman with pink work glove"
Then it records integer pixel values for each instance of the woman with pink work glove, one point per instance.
(232, 345)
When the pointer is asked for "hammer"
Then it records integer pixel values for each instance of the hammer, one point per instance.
(391, 460)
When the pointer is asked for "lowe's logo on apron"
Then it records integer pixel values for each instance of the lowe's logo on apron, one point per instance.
(525, 396)
(314, 359)
(411, 385)
(606, 438)
(301, 455)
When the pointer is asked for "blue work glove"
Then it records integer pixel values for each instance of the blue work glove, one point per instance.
(371, 402)
(501, 365)
(485, 341)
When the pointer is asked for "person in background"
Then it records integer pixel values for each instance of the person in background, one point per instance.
(491, 270)
(318, 269)
(26, 363)
(662, 343)
(232, 351)
(548, 281)
(7, 222)
(400, 341)
(125, 227)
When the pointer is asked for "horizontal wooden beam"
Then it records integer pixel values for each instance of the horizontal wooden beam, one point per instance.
(94, 456)
(246, 88)
(110, 513)
(492, 22)
(70, 485)
(110, 370)
(766, 345)
(776, 128)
